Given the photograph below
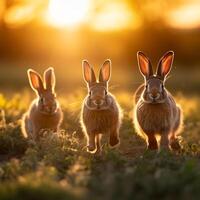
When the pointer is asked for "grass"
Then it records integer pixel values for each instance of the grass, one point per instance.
(58, 166)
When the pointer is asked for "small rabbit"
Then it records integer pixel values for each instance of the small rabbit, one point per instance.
(45, 111)
(101, 113)
(157, 117)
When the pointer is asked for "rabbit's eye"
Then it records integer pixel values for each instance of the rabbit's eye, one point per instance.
(106, 92)
(90, 93)
(42, 100)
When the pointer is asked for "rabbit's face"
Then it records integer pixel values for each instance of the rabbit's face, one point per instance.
(154, 91)
(44, 89)
(98, 96)
(47, 103)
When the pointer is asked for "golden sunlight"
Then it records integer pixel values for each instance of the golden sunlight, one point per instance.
(187, 17)
(115, 16)
(19, 15)
(2, 9)
(67, 12)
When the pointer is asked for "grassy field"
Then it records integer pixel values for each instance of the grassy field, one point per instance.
(58, 166)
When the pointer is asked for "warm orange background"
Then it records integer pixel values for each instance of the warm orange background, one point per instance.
(61, 33)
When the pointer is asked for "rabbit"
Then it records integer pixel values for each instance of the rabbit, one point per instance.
(101, 114)
(45, 111)
(157, 117)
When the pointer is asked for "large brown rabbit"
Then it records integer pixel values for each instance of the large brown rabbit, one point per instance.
(157, 117)
(45, 111)
(101, 113)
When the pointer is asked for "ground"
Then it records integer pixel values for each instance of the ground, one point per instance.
(58, 166)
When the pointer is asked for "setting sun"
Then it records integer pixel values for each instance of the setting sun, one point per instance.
(67, 13)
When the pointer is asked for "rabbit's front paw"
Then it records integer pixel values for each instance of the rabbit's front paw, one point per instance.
(91, 148)
(114, 141)
(174, 144)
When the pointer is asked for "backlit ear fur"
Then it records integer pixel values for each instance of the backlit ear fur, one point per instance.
(88, 72)
(50, 79)
(105, 71)
(144, 65)
(35, 81)
(165, 64)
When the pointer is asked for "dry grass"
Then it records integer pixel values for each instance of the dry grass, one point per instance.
(58, 166)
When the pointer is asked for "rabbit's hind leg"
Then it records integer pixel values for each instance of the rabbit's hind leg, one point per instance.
(98, 144)
(114, 138)
(91, 142)
(152, 143)
(173, 140)
(164, 141)
(174, 143)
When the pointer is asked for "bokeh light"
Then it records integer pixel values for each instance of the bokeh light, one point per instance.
(185, 17)
(115, 16)
(67, 13)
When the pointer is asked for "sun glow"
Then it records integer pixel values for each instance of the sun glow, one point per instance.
(185, 17)
(67, 12)
(115, 16)
(18, 16)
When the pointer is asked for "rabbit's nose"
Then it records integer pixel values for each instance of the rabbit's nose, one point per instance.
(155, 96)
(50, 109)
(98, 102)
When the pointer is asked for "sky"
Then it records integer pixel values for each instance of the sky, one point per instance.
(100, 15)
(61, 33)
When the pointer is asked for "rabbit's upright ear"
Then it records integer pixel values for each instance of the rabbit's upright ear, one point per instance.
(144, 65)
(88, 72)
(105, 71)
(50, 79)
(165, 64)
(35, 81)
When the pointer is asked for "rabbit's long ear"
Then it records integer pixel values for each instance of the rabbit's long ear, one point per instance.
(88, 72)
(165, 64)
(144, 65)
(105, 71)
(35, 81)
(50, 79)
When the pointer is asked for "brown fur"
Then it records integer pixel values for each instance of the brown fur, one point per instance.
(106, 119)
(102, 122)
(40, 115)
(34, 121)
(138, 93)
(157, 123)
